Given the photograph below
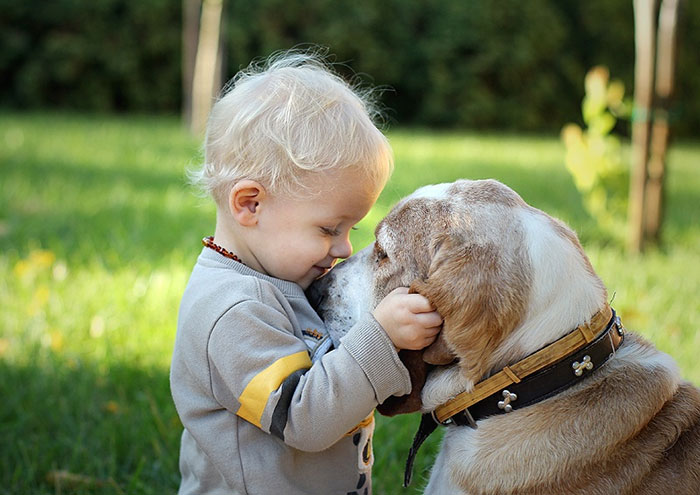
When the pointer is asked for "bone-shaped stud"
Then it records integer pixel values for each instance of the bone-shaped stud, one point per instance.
(507, 399)
(585, 364)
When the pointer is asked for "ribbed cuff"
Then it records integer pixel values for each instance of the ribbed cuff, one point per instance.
(371, 347)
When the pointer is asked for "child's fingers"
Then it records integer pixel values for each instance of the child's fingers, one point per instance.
(398, 290)
(419, 304)
(429, 320)
(415, 302)
(426, 338)
(433, 331)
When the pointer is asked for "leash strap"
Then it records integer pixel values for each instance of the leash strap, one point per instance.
(426, 427)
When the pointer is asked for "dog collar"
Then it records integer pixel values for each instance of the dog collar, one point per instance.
(537, 377)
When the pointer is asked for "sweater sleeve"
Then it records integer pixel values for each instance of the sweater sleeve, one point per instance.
(262, 373)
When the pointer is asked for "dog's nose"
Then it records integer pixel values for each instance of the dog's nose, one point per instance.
(315, 295)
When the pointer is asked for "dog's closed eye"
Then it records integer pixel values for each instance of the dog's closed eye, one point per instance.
(379, 254)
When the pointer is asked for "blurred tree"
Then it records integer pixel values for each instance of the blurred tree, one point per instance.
(190, 34)
(651, 104)
(206, 79)
(643, 80)
(665, 76)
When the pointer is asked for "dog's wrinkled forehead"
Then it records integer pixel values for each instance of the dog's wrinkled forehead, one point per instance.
(419, 208)
(412, 211)
(428, 209)
(407, 236)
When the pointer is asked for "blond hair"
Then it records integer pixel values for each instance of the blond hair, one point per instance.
(291, 116)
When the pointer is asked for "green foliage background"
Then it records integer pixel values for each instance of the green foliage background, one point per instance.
(471, 64)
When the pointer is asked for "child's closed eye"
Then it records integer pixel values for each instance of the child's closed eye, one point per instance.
(331, 231)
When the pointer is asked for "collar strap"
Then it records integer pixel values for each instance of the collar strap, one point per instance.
(564, 359)
(539, 376)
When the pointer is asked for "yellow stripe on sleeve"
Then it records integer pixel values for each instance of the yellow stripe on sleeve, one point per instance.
(255, 395)
(362, 424)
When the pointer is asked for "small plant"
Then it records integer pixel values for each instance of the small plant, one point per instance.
(594, 154)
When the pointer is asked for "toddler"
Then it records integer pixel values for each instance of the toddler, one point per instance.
(293, 162)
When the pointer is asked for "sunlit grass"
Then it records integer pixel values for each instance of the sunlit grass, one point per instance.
(98, 233)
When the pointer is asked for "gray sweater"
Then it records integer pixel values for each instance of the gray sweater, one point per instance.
(265, 409)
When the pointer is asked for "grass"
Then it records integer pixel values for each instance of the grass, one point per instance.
(98, 233)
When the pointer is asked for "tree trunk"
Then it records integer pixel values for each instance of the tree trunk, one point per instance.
(665, 68)
(190, 35)
(205, 84)
(643, 87)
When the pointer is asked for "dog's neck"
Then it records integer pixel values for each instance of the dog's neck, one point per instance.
(446, 382)
(512, 440)
(542, 374)
(537, 377)
(565, 290)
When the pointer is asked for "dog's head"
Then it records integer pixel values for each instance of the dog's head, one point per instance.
(498, 271)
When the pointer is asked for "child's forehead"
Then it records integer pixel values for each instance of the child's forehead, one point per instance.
(335, 196)
(331, 182)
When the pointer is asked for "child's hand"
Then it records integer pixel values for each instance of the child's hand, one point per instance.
(409, 319)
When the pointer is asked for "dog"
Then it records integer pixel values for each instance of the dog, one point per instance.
(539, 386)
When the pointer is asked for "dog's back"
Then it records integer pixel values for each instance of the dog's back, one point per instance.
(672, 441)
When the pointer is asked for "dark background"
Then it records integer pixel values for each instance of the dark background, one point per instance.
(478, 64)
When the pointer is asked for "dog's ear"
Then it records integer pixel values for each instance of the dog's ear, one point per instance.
(439, 352)
(411, 402)
(417, 368)
(480, 293)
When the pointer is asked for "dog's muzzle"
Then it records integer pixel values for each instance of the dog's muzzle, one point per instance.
(342, 295)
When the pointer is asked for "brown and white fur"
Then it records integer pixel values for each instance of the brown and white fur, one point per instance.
(508, 279)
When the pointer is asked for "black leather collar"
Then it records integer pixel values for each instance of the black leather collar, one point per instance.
(549, 381)
(535, 388)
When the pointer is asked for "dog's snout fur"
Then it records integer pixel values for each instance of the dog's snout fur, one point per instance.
(341, 296)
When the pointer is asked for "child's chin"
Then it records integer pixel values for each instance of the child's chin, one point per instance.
(314, 274)
(319, 271)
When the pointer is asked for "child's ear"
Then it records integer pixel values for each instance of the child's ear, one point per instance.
(244, 201)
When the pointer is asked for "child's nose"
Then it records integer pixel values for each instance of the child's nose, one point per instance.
(341, 248)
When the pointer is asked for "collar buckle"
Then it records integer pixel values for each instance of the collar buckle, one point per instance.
(463, 418)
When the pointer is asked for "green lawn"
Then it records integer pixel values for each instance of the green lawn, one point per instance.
(98, 233)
